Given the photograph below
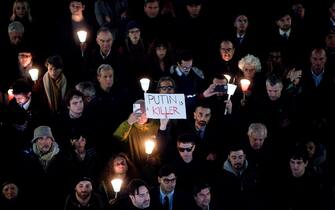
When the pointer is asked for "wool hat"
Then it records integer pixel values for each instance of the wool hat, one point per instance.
(16, 26)
(133, 24)
(42, 131)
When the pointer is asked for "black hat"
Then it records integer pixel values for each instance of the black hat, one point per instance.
(133, 24)
(193, 2)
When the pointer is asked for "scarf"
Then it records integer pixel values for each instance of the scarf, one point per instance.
(45, 158)
(55, 90)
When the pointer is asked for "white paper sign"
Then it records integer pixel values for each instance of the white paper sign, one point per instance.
(162, 106)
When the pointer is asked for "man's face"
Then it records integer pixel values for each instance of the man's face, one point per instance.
(166, 87)
(105, 41)
(76, 8)
(311, 147)
(284, 23)
(84, 189)
(202, 116)
(25, 58)
(318, 61)
(53, 72)
(76, 105)
(10, 191)
(106, 79)
(151, 9)
(15, 37)
(256, 140)
(186, 151)
(141, 199)
(44, 144)
(22, 98)
(185, 66)
(203, 198)
(274, 92)
(167, 183)
(237, 159)
(226, 50)
(134, 35)
(297, 167)
(241, 23)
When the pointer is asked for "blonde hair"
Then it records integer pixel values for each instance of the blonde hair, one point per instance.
(26, 5)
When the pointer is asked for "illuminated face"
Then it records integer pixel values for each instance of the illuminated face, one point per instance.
(84, 189)
(22, 98)
(141, 199)
(44, 144)
(166, 87)
(186, 66)
(120, 165)
(10, 191)
(237, 159)
(202, 116)
(227, 50)
(274, 92)
(151, 9)
(25, 58)
(203, 198)
(186, 151)
(53, 72)
(76, 8)
(297, 167)
(241, 23)
(105, 41)
(106, 79)
(76, 105)
(167, 183)
(284, 23)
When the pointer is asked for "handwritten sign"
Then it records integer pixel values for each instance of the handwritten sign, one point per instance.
(162, 106)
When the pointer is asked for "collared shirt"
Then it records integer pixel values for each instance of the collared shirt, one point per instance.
(26, 105)
(282, 33)
(105, 56)
(169, 195)
(317, 78)
(201, 132)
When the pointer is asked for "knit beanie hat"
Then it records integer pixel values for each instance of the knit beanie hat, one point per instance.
(42, 131)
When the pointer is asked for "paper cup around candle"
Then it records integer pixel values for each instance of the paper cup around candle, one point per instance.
(245, 84)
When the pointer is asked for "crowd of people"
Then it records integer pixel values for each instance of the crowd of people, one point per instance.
(82, 122)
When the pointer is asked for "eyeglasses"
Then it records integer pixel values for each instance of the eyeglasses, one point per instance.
(189, 149)
(134, 31)
(166, 87)
(167, 181)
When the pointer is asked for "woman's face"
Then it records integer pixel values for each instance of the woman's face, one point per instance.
(120, 165)
(20, 10)
(161, 52)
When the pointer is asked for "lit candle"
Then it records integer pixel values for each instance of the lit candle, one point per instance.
(33, 74)
(245, 84)
(145, 82)
(116, 184)
(10, 94)
(149, 146)
(82, 35)
(228, 77)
